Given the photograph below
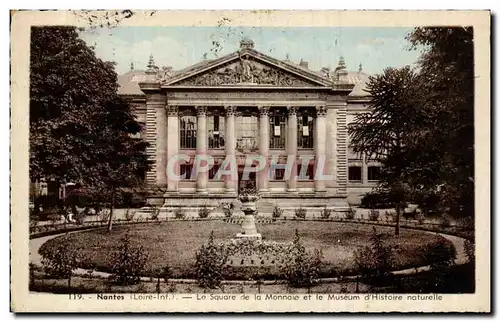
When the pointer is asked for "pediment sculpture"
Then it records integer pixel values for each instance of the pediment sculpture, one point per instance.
(245, 71)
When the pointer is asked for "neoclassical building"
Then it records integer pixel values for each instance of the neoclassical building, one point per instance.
(248, 103)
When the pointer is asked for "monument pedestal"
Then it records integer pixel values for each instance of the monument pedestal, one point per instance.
(248, 229)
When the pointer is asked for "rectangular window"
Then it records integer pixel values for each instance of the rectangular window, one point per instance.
(309, 175)
(213, 172)
(354, 173)
(216, 132)
(247, 133)
(188, 132)
(305, 132)
(373, 173)
(277, 131)
(279, 174)
(186, 169)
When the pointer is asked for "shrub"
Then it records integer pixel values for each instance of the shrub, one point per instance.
(203, 212)
(302, 269)
(166, 273)
(375, 262)
(326, 212)
(440, 254)
(172, 288)
(209, 266)
(228, 210)
(351, 213)
(103, 215)
(80, 217)
(179, 214)
(155, 214)
(379, 200)
(277, 212)
(61, 259)
(389, 215)
(129, 215)
(466, 223)
(470, 250)
(420, 217)
(445, 221)
(128, 263)
(374, 214)
(300, 212)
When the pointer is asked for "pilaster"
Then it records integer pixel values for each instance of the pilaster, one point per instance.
(201, 147)
(264, 147)
(230, 146)
(320, 147)
(292, 148)
(173, 142)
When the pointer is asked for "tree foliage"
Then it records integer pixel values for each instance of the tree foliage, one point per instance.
(80, 129)
(421, 124)
(447, 67)
(387, 132)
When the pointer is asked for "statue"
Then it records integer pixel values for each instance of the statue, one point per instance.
(245, 70)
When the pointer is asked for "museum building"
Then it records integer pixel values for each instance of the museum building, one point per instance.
(248, 103)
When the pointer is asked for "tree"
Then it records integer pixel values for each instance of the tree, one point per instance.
(68, 85)
(447, 151)
(386, 133)
(79, 127)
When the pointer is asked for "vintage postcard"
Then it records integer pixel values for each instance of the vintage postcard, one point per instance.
(250, 161)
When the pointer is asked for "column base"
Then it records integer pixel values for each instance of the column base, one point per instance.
(202, 191)
(292, 190)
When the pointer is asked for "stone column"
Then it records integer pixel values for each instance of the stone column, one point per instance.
(173, 142)
(264, 147)
(292, 147)
(364, 170)
(320, 146)
(230, 146)
(161, 139)
(201, 146)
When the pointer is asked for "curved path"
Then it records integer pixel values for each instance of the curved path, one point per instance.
(36, 243)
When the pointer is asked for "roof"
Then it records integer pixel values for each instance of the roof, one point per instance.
(129, 82)
(359, 79)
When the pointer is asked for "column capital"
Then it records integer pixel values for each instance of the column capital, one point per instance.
(321, 110)
(263, 110)
(230, 110)
(172, 110)
(292, 110)
(201, 110)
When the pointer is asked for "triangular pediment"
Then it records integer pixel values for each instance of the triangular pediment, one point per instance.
(245, 68)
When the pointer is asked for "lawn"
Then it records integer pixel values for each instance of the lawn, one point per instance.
(175, 243)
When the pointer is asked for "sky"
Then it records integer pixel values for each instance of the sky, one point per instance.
(179, 47)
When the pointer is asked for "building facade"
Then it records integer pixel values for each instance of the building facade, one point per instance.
(242, 107)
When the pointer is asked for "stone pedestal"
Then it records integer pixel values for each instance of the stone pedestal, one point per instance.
(249, 208)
